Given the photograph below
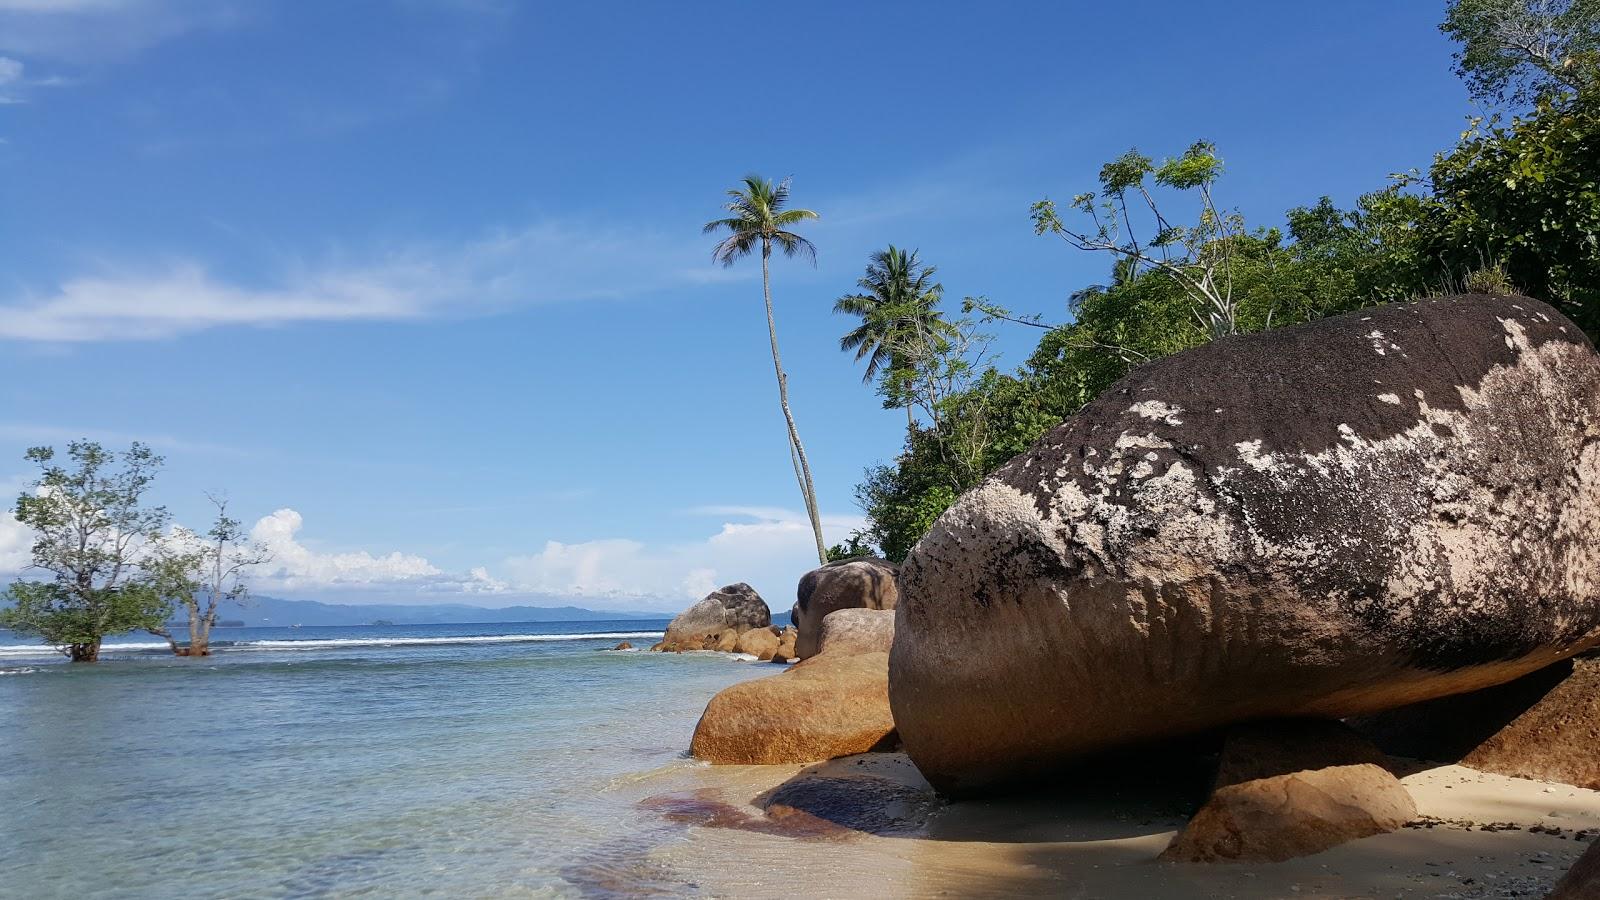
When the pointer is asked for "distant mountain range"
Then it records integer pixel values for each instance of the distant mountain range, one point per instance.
(277, 611)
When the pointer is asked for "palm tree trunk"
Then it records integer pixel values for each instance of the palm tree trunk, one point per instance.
(911, 422)
(803, 473)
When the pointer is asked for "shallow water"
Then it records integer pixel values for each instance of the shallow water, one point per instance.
(458, 761)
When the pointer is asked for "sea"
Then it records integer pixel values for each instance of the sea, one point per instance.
(348, 761)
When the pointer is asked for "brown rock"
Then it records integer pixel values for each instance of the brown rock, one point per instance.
(865, 583)
(786, 641)
(1582, 881)
(851, 631)
(623, 646)
(716, 622)
(819, 709)
(1290, 789)
(761, 643)
(1324, 520)
(1544, 726)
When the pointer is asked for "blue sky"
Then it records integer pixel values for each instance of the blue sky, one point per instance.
(421, 285)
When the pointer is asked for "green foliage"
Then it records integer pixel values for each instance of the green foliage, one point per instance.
(1526, 197)
(759, 220)
(91, 531)
(1522, 51)
(1513, 207)
(1198, 258)
(898, 305)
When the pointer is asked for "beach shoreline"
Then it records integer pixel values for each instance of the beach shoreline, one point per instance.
(1477, 835)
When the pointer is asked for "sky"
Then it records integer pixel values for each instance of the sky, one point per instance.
(420, 284)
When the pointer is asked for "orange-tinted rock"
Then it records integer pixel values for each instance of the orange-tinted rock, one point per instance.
(819, 709)
(1292, 789)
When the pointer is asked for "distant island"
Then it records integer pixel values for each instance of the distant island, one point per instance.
(280, 612)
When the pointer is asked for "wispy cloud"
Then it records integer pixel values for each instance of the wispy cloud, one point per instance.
(95, 31)
(538, 264)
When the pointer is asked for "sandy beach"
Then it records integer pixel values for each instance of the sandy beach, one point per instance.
(880, 832)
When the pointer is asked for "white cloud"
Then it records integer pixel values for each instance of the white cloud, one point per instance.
(10, 71)
(16, 544)
(298, 568)
(770, 550)
(540, 263)
(93, 31)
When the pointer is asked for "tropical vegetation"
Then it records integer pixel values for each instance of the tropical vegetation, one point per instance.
(1514, 206)
(758, 219)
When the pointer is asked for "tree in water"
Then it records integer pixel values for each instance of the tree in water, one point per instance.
(92, 541)
(199, 572)
(900, 322)
(759, 220)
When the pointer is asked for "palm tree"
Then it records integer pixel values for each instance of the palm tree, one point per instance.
(760, 220)
(900, 320)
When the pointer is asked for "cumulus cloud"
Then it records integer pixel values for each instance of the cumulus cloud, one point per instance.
(297, 568)
(540, 263)
(769, 548)
(16, 544)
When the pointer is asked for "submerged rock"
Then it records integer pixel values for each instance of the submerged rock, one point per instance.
(865, 583)
(716, 622)
(819, 709)
(1325, 520)
(851, 631)
(850, 802)
(1289, 789)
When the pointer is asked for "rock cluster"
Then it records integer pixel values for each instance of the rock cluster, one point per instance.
(1319, 521)
(865, 583)
(1253, 539)
(717, 622)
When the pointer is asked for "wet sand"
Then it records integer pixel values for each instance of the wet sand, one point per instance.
(880, 832)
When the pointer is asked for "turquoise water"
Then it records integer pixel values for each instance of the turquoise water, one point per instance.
(452, 761)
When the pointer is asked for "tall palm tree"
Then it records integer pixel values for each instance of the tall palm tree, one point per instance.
(759, 220)
(900, 319)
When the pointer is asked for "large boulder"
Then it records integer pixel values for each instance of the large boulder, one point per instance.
(852, 631)
(1289, 789)
(1325, 520)
(819, 709)
(1544, 726)
(865, 583)
(716, 622)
